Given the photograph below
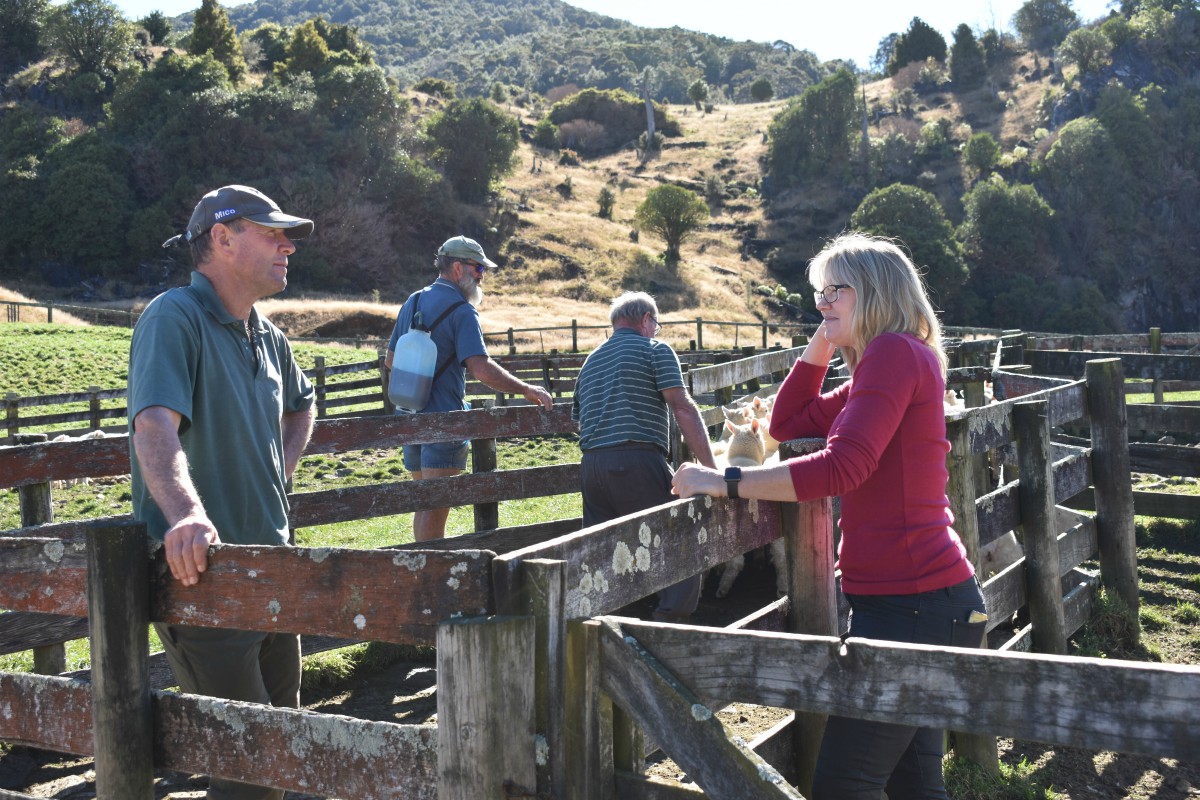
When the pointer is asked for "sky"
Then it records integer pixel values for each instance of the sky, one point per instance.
(846, 29)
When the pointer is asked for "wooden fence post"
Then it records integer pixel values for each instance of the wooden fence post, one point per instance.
(753, 384)
(119, 610)
(587, 723)
(319, 382)
(724, 395)
(1110, 473)
(50, 312)
(1156, 348)
(960, 490)
(512, 343)
(384, 377)
(485, 708)
(574, 336)
(37, 509)
(483, 459)
(808, 537)
(94, 407)
(764, 335)
(12, 413)
(699, 333)
(540, 593)
(1031, 423)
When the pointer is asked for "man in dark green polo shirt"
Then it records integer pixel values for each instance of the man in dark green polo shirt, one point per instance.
(219, 414)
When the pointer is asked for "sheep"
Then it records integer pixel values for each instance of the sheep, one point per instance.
(747, 448)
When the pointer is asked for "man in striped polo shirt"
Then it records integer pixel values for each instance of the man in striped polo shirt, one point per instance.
(621, 401)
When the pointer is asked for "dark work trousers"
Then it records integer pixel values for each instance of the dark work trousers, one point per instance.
(253, 667)
(860, 758)
(624, 480)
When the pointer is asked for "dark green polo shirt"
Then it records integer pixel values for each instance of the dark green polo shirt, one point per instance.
(191, 356)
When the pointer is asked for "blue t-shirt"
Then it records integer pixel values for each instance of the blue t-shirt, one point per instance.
(457, 337)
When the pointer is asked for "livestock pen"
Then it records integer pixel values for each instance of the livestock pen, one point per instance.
(497, 602)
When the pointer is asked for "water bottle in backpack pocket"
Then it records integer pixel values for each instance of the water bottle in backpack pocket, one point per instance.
(413, 365)
(414, 362)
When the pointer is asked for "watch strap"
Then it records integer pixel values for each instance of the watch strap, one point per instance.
(732, 476)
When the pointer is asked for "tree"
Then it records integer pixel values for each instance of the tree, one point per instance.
(474, 143)
(1043, 24)
(606, 200)
(272, 41)
(981, 152)
(212, 32)
(1086, 48)
(918, 43)
(1007, 236)
(813, 133)
(967, 69)
(90, 34)
(157, 25)
(671, 213)
(307, 52)
(762, 90)
(916, 218)
(20, 33)
(698, 92)
(883, 53)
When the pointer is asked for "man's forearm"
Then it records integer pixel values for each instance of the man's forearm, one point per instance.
(694, 433)
(488, 372)
(164, 468)
(297, 427)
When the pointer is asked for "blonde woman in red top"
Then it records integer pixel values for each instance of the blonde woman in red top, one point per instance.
(904, 570)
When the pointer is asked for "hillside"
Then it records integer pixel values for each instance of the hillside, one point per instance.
(540, 45)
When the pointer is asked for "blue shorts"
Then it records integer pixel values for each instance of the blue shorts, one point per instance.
(443, 455)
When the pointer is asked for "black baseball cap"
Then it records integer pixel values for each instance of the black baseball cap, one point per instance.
(240, 202)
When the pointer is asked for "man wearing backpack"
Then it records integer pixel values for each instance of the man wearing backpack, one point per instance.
(447, 309)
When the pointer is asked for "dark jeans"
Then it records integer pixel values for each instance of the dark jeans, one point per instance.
(627, 479)
(860, 758)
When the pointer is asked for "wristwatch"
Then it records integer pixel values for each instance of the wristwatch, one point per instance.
(732, 476)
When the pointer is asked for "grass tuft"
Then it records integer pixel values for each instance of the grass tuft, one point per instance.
(966, 780)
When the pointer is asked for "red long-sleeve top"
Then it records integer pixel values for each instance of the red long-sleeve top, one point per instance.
(886, 458)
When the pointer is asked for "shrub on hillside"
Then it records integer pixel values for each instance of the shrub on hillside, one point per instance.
(981, 152)
(545, 134)
(622, 115)
(812, 135)
(436, 87)
(474, 142)
(584, 136)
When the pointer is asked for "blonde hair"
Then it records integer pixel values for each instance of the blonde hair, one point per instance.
(891, 296)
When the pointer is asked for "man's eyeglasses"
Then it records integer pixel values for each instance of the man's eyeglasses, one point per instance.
(657, 325)
(475, 265)
(830, 293)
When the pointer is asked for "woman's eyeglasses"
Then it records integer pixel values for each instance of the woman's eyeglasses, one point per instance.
(830, 293)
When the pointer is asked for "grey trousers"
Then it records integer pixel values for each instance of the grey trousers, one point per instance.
(235, 665)
(627, 479)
